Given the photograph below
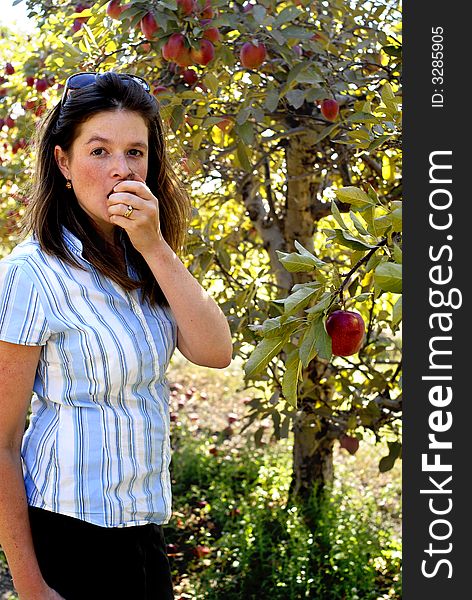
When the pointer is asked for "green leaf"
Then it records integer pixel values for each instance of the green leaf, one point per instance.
(388, 97)
(323, 341)
(397, 254)
(297, 33)
(397, 312)
(294, 73)
(392, 50)
(272, 100)
(211, 81)
(387, 462)
(362, 117)
(294, 263)
(388, 276)
(290, 378)
(324, 133)
(378, 142)
(337, 215)
(243, 115)
(307, 349)
(262, 354)
(383, 223)
(322, 305)
(243, 157)
(296, 98)
(245, 132)
(353, 195)
(315, 341)
(280, 325)
(259, 12)
(304, 252)
(358, 223)
(288, 14)
(397, 219)
(373, 262)
(299, 299)
(349, 241)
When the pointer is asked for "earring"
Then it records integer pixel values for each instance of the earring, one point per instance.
(69, 184)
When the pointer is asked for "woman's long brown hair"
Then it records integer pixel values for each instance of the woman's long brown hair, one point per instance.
(53, 206)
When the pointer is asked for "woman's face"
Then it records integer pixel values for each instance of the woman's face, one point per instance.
(110, 146)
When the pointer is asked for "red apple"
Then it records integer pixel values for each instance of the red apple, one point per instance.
(204, 54)
(9, 122)
(176, 50)
(148, 25)
(114, 9)
(41, 84)
(76, 25)
(329, 109)
(208, 12)
(187, 7)
(252, 56)
(9, 69)
(232, 418)
(30, 81)
(29, 104)
(190, 76)
(346, 329)
(225, 124)
(349, 443)
(3, 92)
(212, 34)
(201, 551)
(159, 89)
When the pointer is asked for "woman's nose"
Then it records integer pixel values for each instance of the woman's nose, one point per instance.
(121, 167)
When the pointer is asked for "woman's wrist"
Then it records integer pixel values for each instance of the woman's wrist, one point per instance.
(159, 249)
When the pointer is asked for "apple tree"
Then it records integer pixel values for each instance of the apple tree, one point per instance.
(284, 119)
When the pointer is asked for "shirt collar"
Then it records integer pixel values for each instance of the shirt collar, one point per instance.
(72, 242)
(76, 247)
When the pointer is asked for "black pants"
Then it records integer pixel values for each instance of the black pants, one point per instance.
(83, 561)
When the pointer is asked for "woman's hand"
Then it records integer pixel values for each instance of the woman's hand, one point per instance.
(143, 225)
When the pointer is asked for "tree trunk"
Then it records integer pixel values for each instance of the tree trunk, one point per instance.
(313, 437)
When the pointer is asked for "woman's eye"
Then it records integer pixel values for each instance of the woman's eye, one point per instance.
(139, 153)
(97, 151)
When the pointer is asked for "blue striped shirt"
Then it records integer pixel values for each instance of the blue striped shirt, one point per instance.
(98, 443)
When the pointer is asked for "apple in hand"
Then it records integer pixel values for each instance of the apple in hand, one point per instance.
(346, 329)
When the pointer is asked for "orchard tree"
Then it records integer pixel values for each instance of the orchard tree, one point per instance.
(284, 119)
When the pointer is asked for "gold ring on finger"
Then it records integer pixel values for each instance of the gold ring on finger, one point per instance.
(129, 211)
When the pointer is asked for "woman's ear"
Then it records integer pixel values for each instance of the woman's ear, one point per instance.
(62, 160)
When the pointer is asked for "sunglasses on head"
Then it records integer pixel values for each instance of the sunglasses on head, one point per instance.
(81, 80)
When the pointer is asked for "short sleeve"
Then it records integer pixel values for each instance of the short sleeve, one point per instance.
(22, 317)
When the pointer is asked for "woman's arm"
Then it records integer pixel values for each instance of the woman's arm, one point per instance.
(204, 336)
(17, 371)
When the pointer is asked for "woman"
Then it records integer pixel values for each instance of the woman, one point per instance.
(92, 305)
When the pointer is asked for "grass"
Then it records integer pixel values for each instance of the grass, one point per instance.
(234, 536)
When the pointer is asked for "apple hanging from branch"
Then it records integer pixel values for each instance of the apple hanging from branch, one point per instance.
(346, 329)
(252, 55)
(329, 109)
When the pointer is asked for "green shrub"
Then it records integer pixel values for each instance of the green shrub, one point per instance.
(255, 545)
